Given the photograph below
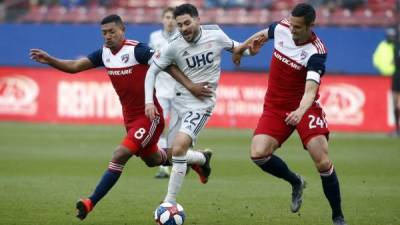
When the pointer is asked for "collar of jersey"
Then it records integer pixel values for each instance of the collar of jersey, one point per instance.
(312, 38)
(117, 50)
(196, 39)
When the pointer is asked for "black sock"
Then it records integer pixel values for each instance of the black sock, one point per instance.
(330, 184)
(276, 166)
(108, 180)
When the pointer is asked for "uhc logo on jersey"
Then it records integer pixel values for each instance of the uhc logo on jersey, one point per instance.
(200, 60)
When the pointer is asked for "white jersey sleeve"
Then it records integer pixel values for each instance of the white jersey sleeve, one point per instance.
(226, 42)
(151, 40)
(164, 57)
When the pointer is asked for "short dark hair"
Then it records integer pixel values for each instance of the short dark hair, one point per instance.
(168, 9)
(186, 9)
(304, 10)
(112, 19)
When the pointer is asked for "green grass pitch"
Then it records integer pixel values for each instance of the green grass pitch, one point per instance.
(44, 169)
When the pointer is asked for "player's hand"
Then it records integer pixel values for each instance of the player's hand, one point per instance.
(201, 90)
(293, 118)
(39, 56)
(237, 55)
(151, 111)
(256, 44)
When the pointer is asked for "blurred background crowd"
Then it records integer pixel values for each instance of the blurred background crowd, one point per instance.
(330, 12)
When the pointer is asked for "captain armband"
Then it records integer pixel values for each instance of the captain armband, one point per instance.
(312, 75)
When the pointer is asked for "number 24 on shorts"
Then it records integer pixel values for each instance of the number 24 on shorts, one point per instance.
(317, 122)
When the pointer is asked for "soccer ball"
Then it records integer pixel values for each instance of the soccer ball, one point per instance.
(169, 214)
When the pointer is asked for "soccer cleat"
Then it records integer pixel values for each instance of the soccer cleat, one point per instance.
(83, 207)
(162, 173)
(204, 171)
(339, 220)
(297, 195)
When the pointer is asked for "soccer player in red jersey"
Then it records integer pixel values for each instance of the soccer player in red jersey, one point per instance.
(126, 62)
(291, 103)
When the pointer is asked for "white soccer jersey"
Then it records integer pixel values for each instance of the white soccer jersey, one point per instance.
(165, 84)
(199, 60)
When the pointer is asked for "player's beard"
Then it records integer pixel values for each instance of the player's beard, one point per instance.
(188, 36)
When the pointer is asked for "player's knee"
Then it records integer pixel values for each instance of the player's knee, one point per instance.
(151, 163)
(121, 155)
(257, 150)
(323, 164)
(178, 150)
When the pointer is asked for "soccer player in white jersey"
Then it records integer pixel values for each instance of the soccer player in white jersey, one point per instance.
(165, 84)
(197, 52)
(291, 103)
(126, 62)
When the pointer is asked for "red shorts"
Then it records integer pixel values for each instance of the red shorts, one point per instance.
(143, 135)
(313, 123)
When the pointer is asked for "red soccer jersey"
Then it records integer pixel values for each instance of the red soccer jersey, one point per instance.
(289, 65)
(127, 70)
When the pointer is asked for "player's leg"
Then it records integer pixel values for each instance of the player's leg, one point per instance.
(198, 160)
(270, 133)
(314, 133)
(120, 156)
(181, 144)
(140, 133)
(262, 147)
(189, 125)
(318, 149)
(165, 103)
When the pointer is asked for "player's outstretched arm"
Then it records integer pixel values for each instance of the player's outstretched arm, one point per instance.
(69, 66)
(253, 44)
(199, 90)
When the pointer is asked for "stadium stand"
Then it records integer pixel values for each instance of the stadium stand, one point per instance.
(330, 12)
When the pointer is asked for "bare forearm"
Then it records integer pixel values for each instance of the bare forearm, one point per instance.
(179, 76)
(308, 96)
(63, 65)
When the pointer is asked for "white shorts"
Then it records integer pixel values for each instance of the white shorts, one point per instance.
(190, 123)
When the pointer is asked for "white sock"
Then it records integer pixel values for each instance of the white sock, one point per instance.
(195, 157)
(178, 173)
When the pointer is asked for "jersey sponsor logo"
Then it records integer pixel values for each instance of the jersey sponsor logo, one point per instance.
(119, 72)
(125, 58)
(18, 95)
(287, 61)
(200, 60)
